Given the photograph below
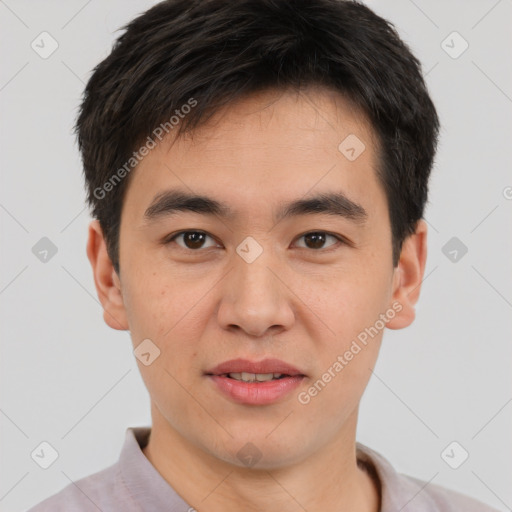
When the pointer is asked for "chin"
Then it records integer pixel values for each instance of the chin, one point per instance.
(259, 452)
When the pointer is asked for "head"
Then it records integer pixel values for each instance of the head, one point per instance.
(296, 141)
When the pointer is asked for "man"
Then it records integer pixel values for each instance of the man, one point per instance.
(258, 172)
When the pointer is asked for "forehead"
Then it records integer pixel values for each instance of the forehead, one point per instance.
(281, 119)
(264, 149)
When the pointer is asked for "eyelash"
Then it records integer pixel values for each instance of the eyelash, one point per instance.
(171, 238)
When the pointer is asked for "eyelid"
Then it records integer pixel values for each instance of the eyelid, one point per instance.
(171, 238)
(342, 240)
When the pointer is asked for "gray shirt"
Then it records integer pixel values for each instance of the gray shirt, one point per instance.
(133, 484)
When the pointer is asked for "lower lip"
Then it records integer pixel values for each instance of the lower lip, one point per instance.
(256, 393)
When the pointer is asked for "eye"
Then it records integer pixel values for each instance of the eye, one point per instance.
(195, 240)
(317, 239)
(192, 240)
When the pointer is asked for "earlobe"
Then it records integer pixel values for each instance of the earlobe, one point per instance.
(408, 276)
(108, 285)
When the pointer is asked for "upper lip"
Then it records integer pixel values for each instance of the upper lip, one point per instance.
(264, 366)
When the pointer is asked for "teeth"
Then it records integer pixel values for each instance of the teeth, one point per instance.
(253, 377)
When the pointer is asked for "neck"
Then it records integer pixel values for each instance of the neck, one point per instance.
(329, 480)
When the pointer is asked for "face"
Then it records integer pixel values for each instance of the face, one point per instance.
(263, 268)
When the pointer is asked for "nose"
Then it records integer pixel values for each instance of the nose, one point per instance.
(254, 298)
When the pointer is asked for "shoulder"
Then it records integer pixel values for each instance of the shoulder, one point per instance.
(410, 494)
(437, 498)
(100, 491)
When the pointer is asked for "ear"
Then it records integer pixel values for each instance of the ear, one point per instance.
(108, 284)
(408, 276)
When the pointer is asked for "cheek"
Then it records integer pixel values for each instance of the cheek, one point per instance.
(173, 317)
(351, 307)
(347, 302)
(170, 316)
(157, 305)
(353, 310)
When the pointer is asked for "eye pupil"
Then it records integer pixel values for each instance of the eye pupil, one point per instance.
(317, 240)
(193, 239)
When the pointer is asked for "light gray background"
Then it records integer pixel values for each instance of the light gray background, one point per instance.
(68, 379)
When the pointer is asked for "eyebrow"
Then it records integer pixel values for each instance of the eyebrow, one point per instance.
(173, 201)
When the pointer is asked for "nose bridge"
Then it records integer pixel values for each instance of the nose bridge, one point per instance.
(254, 299)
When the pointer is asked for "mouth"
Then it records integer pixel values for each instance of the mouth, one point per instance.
(255, 371)
(255, 383)
(254, 377)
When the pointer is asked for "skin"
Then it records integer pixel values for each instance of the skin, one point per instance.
(295, 302)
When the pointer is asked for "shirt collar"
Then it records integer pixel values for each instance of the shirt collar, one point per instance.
(396, 490)
(143, 482)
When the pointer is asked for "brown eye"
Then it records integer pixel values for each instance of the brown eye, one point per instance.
(193, 240)
(317, 239)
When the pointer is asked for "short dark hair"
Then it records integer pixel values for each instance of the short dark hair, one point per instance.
(216, 51)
